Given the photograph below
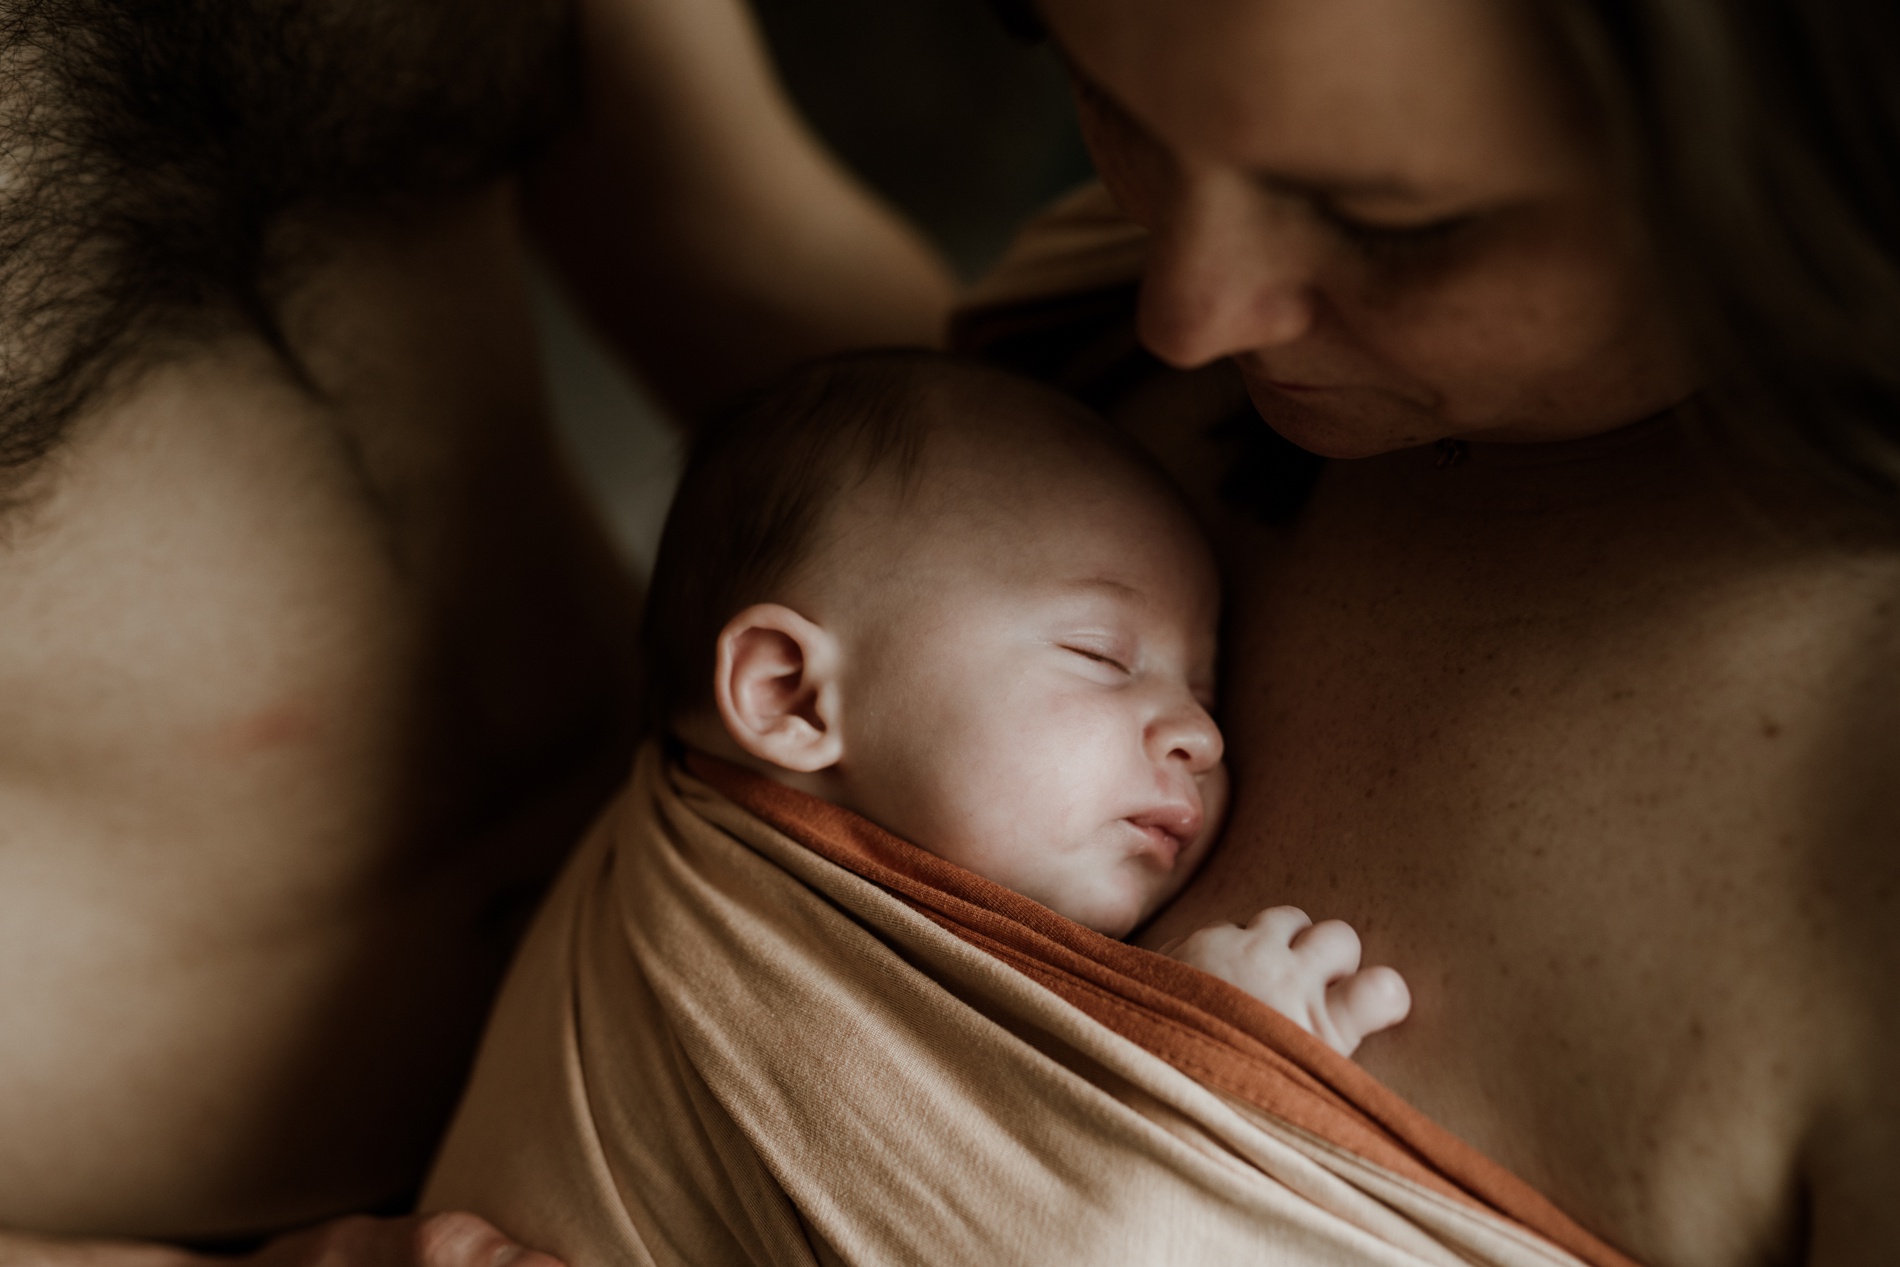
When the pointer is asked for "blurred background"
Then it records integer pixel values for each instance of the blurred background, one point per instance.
(933, 104)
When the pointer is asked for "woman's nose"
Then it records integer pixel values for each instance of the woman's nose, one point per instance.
(1229, 270)
(1189, 735)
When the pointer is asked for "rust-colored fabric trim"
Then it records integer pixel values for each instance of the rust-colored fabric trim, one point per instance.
(1214, 1032)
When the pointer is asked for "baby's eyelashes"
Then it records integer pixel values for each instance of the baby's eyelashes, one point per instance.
(1104, 658)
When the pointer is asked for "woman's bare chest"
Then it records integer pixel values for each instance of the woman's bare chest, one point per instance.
(1574, 789)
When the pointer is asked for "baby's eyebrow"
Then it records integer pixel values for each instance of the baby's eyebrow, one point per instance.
(1120, 589)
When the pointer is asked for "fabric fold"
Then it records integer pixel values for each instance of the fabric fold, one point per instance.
(750, 1027)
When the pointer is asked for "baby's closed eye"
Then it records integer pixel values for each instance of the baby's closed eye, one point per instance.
(1107, 659)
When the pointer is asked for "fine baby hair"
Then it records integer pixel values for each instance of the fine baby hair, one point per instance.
(761, 476)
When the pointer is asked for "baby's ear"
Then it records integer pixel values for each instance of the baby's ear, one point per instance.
(776, 685)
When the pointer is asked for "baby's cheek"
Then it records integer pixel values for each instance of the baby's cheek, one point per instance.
(991, 821)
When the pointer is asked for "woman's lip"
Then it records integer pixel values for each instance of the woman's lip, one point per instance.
(1255, 372)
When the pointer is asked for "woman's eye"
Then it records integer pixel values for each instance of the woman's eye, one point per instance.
(1374, 238)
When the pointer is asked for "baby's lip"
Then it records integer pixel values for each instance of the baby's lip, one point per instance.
(1170, 828)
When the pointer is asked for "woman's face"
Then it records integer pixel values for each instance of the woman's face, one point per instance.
(1388, 212)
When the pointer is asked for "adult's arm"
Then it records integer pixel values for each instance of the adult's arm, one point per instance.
(439, 1240)
(703, 227)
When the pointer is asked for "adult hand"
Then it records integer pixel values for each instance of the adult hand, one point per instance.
(432, 1240)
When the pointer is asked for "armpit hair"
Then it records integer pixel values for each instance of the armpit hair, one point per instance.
(150, 150)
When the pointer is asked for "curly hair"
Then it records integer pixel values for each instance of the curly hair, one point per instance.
(151, 151)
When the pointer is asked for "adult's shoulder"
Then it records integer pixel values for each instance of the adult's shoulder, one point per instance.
(1840, 874)
(1853, 1149)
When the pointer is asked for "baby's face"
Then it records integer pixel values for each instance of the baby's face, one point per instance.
(1027, 674)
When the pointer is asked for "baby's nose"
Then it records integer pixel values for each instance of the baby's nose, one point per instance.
(1188, 735)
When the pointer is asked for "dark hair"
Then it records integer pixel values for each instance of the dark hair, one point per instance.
(756, 489)
(156, 149)
(1763, 140)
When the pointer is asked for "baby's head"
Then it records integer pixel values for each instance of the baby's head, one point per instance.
(957, 603)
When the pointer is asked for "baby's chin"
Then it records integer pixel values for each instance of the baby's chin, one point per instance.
(1114, 896)
(1119, 914)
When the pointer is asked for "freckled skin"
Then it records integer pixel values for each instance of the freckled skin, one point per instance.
(1526, 756)
(1592, 738)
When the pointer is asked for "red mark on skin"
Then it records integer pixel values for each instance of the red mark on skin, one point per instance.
(277, 726)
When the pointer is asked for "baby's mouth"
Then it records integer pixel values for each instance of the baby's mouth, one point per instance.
(1168, 831)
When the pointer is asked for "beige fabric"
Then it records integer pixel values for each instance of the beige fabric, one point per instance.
(717, 1047)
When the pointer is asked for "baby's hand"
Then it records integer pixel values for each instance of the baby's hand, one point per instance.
(1308, 972)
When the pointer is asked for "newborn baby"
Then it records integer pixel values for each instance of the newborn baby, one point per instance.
(962, 606)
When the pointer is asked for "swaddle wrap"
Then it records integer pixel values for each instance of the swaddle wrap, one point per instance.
(749, 1027)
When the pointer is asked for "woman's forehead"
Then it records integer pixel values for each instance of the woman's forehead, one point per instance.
(1392, 93)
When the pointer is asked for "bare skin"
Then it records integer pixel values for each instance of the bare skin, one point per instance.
(1593, 741)
(263, 799)
(1676, 1018)
(308, 693)
(1050, 605)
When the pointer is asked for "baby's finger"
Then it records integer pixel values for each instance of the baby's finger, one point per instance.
(1365, 1003)
(1330, 949)
(1280, 924)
